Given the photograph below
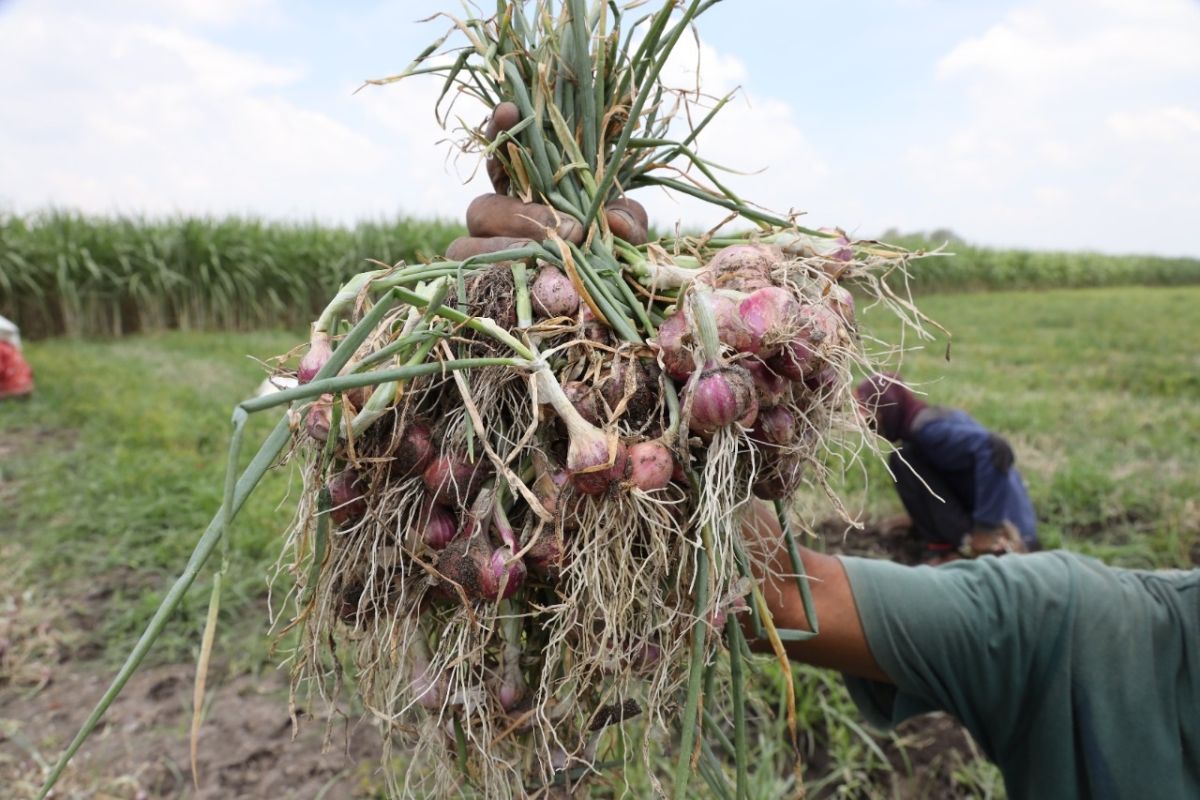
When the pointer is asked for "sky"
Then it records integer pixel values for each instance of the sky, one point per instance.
(1065, 124)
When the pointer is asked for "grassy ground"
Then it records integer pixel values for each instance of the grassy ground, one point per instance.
(109, 473)
(121, 456)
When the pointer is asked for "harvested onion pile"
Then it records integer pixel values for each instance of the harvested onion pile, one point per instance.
(524, 472)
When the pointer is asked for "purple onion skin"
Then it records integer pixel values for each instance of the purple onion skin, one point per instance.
(510, 695)
(502, 580)
(776, 425)
(732, 329)
(796, 360)
(412, 452)
(647, 657)
(319, 352)
(839, 248)
(720, 397)
(346, 497)
(584, 400)
(771, 387)
(453, 481)
(596, 481)
(441, 528)
(769, 314)
(320, 418)
(553, 294)
(676, 357)
(651, 465)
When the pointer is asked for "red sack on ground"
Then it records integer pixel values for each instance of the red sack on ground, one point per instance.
(16, 378)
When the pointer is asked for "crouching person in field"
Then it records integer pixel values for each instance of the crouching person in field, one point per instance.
(955, 478)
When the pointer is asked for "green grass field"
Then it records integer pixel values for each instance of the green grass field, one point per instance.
(110, 472)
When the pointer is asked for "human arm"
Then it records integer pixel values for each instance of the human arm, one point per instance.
(975, 639)
(842, 643)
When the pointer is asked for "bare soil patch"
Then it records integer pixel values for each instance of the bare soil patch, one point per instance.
(140, 751)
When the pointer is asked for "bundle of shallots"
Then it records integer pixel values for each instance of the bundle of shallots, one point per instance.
(524, 472)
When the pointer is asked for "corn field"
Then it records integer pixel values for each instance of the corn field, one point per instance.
(974, 268)
(66, 273)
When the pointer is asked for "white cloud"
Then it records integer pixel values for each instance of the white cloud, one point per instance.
(1059, 101)
(1168, 124)
(106, 114)
(757, 136)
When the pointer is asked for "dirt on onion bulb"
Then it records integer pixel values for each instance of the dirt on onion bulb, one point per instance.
(772, 387)
(553, 294)
(780, 477)
(775, 426)
(413, 451)
(467, 561)
(674, 347)
(742, 267)
(583, 397)
(651, 465)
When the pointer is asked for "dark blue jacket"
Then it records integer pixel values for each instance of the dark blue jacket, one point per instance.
(952, 441)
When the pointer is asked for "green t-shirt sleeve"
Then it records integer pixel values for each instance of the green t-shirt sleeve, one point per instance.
(959, 638)
(1079, 680)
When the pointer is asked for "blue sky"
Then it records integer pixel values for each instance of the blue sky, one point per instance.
(1041, 123)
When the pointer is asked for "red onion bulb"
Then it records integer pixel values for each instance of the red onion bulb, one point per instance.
(673, 344)
(651, 465)
(720, 397)
(319, 352)
(553, 294)
(320, 418)
(441, 528)
(503, 575)
(775, 426)
(595, 462)
(347, 502)
(412, 452)
(453, 480)
(771, 315)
